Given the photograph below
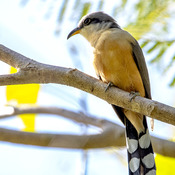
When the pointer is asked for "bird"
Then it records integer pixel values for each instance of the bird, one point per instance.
(119, 61)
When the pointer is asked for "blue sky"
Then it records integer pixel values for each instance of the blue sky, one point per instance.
(26, 31)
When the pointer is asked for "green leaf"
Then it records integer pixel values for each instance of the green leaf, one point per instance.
(170, 42)
(100, 5)
(124, 3)
(169, 65)
(62, 11)
(154, 47)
(144, 43)
(158, 57)
(172, 82)
(86, 8)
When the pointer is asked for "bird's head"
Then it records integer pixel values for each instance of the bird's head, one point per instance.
(93, 24)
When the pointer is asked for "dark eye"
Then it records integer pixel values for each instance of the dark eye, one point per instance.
(87, 21)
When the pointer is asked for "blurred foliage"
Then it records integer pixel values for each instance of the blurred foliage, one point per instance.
(86, 8)
(150, 23)
(62, 11)
(148, 13)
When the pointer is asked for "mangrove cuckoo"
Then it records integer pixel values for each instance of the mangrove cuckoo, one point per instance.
(118, 60)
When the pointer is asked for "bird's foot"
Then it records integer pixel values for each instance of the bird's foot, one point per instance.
(133, 94)
(110, 84)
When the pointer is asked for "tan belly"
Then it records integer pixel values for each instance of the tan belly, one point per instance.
(119, 69)
(124, 74)
(113, 62)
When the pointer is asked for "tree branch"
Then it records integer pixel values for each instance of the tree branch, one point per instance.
(30, 71)
(111, 133)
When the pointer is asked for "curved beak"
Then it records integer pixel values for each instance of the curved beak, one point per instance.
(74, 32)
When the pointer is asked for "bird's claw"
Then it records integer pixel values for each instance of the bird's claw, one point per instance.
(133, 95)
(108, 86)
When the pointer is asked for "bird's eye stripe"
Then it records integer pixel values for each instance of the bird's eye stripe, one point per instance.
(95, 20)
(87, 21)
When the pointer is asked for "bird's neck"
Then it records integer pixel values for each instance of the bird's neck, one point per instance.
(94, 32)
(93, 38)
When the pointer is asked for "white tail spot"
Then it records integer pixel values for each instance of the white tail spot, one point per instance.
(132, 145)
(134, 164)
(152, 172)
(148, 160)
(145, 141)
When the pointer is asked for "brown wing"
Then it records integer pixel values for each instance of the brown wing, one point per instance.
(141, 65)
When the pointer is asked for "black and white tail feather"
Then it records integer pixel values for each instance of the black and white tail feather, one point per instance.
(139, 147)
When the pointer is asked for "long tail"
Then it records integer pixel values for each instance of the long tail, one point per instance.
(139, 147)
